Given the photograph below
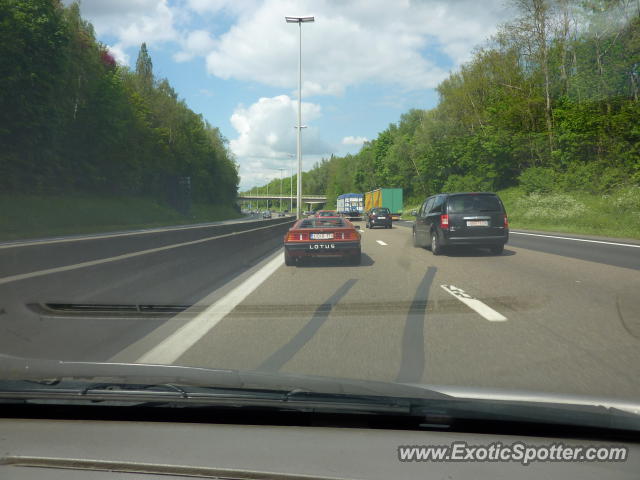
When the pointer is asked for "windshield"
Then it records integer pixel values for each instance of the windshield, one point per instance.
(474, 203)
(322, 223)
(155, 158)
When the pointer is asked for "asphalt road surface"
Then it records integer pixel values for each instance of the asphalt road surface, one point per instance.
(550, 314)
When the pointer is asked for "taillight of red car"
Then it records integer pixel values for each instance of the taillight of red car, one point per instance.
(297, 236)
(444, 222)
(346, 235)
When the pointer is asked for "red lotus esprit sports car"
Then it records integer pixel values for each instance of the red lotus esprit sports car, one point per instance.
(333, 237)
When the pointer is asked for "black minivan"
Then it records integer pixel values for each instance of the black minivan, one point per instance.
(447, 219)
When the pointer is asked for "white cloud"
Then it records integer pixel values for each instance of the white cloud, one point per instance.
(233, 7)
(197, 42)
(267, 138)
(266, 129)
(352, 42)
(354, 140)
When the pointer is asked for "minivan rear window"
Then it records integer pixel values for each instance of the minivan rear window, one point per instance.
(474, 203)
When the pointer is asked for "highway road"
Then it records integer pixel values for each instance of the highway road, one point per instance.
(551, 314)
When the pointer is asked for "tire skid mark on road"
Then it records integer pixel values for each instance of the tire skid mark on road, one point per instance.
(280, 357)
(412, 363)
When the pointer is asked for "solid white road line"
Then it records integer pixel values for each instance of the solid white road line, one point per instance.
(172, 347)
(91, 263)
(381, 242)
(476, 305)
(577, 239)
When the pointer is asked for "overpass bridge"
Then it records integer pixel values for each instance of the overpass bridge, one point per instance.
(306, 199)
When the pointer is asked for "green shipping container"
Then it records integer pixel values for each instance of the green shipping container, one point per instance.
(392, 199)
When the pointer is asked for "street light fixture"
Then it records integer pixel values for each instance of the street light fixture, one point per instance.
(299, 21)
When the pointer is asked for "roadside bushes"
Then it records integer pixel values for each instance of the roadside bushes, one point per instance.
(628, 200)
(591, 178)
(466, 183)
(538, 180)
(549, 206)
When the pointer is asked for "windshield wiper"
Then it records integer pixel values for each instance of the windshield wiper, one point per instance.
(49, 371)
(163, 395)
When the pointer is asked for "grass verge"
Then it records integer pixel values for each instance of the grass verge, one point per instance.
(33, 216)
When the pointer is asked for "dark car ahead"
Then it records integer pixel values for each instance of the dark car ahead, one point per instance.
(379, 217)
(353, 214)
(477, 219)
(327, 213)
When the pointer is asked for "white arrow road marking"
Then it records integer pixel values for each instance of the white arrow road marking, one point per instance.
(381, 242)
(475, 304)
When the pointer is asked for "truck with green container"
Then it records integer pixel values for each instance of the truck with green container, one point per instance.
(390, 198)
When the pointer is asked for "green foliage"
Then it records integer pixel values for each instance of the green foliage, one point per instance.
(538, 180)
(628, 200)
(552, 206)
(466, 183)
(36, 216)
(71, 120)
(616, 214)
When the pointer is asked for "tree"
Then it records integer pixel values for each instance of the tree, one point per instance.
(144, 69)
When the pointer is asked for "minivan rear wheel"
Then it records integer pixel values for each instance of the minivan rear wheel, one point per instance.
(496, 249)
(416, 242)
(436, 248)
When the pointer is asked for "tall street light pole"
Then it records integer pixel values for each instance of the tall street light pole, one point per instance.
(281, 170)
(299, 21)
(291, 186)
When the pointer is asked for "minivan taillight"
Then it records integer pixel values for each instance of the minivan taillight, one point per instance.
(444, 221)
(506, 222)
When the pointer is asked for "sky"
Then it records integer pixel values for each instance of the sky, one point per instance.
(364, 63)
